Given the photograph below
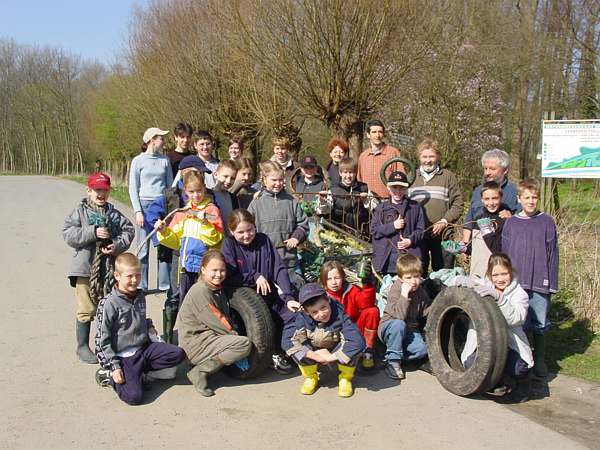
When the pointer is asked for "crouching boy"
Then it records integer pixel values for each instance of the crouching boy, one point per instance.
(399, 328)
(205, 329)
(323, 333)
(123, 344)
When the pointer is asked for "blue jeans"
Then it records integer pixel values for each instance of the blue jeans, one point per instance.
(164, 268)
(401, 341)
(537, 315)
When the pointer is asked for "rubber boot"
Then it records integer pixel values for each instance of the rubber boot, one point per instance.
(539, 353)
(198, 375)
(169, 318)
(345, 380)
(520, 391)
(82, 332)
(367, 359)
(311, 379)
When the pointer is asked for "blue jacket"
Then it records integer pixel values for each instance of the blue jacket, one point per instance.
(386, 237)
(339, 335)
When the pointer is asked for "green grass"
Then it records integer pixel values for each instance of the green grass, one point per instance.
(582, 203)
(117, 192)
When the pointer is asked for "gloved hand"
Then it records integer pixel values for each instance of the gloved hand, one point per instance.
(243, 364)
(484, 291)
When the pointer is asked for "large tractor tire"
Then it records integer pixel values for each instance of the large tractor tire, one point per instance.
(409, 167)
(253, 319)
(447, 323)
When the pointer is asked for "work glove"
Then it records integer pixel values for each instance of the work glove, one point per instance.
(485, 291)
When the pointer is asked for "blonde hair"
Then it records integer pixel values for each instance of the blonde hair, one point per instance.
(499, 259)
(528, 185)
(210, 255)
(269, 168)
(227, 164)
(348, 164)
(193, 178)
(430, 144)
(127, 261)
(408, 264)
(280, 141)
(244, 163)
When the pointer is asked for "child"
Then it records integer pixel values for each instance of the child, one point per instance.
(310, 181)
(252, 261)
(358, 303)
(225, 200)
(407, 306)
(323, 333)
(126, 343)
(529, 239)
(204, 145)
(98, 233)
(396, 226)
(487, 238)
(351, 200)
(243, 188)
(236, 148)
(192, 232)
(280, 217)
(183, 137)
(501, 284)
(281, 155)
(205, 329)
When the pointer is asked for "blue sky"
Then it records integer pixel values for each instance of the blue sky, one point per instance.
(93, 29)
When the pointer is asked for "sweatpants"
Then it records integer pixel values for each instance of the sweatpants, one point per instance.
(229, 348)
(153, 356)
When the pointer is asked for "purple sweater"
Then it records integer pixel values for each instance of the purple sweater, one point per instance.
(532, 246)
(245, 263)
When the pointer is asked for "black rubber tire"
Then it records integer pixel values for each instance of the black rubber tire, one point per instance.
(449, 305)
(410, 175)
(253, 319)
(500, 339)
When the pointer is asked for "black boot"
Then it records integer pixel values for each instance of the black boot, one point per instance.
(520, 393)
(82, 331)
(198, 375)
(539, 355)
(169, 317)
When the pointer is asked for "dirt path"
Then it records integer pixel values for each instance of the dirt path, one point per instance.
(51, 401)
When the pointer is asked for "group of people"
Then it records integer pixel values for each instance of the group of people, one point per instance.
(214, 227)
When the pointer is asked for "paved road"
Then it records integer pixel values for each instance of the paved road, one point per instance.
(51, 401)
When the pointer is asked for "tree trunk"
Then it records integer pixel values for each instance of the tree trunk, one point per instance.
(349, 128)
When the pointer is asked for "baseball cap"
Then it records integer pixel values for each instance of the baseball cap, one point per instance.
(397, 178)
(98, 180)
(151, 132)
(309, 161)
(195, 162)
(310, 291)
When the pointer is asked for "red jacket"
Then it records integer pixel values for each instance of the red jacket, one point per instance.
(354, 299)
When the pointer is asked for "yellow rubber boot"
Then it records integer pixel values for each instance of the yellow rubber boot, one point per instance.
(311, 379)
(345, 380)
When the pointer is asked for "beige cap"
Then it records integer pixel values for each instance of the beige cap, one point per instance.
(151, 132)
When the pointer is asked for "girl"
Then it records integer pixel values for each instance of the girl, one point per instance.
(192, 232)
(280, 217)
(358, 303)
(236, 148)
(243, 183)
(149, 176)
(501, 284)
(205, 329)
(252, 261)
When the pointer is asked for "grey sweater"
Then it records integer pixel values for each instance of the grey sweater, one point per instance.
(121, 327)
(149, 176)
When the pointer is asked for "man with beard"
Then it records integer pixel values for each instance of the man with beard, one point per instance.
(438, 192)
(495, 164)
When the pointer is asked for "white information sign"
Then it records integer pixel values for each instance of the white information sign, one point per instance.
(571, 148)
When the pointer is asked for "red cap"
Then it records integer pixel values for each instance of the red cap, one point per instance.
(99, 180)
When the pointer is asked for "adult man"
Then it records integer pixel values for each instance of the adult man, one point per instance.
(439, 194)
(372, 159)
(183, 138)
(495, 164)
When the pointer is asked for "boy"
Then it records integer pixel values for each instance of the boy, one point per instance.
(123, 343)
(225, 200)
(396, 226)
(243, 187)
(98, 233)
(351, 199)
(310, 181)
(323, 333)
(204, 145)
(407, 305)
(529, 239)
(487, 229)
(183, 137)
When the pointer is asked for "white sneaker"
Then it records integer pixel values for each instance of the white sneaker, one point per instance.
(281, 364)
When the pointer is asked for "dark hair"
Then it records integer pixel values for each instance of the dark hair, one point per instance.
(202, 134)
(310, 302)
(244, 163)
(499, 259)
(374, 123)
(143, 147)
(210, 255)
(333, 143)
(238, 216)
(491, 186)
(328, 267)
(182, 129)
(237, 140)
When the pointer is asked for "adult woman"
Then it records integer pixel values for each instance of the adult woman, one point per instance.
(338, 150)
(150, 174)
